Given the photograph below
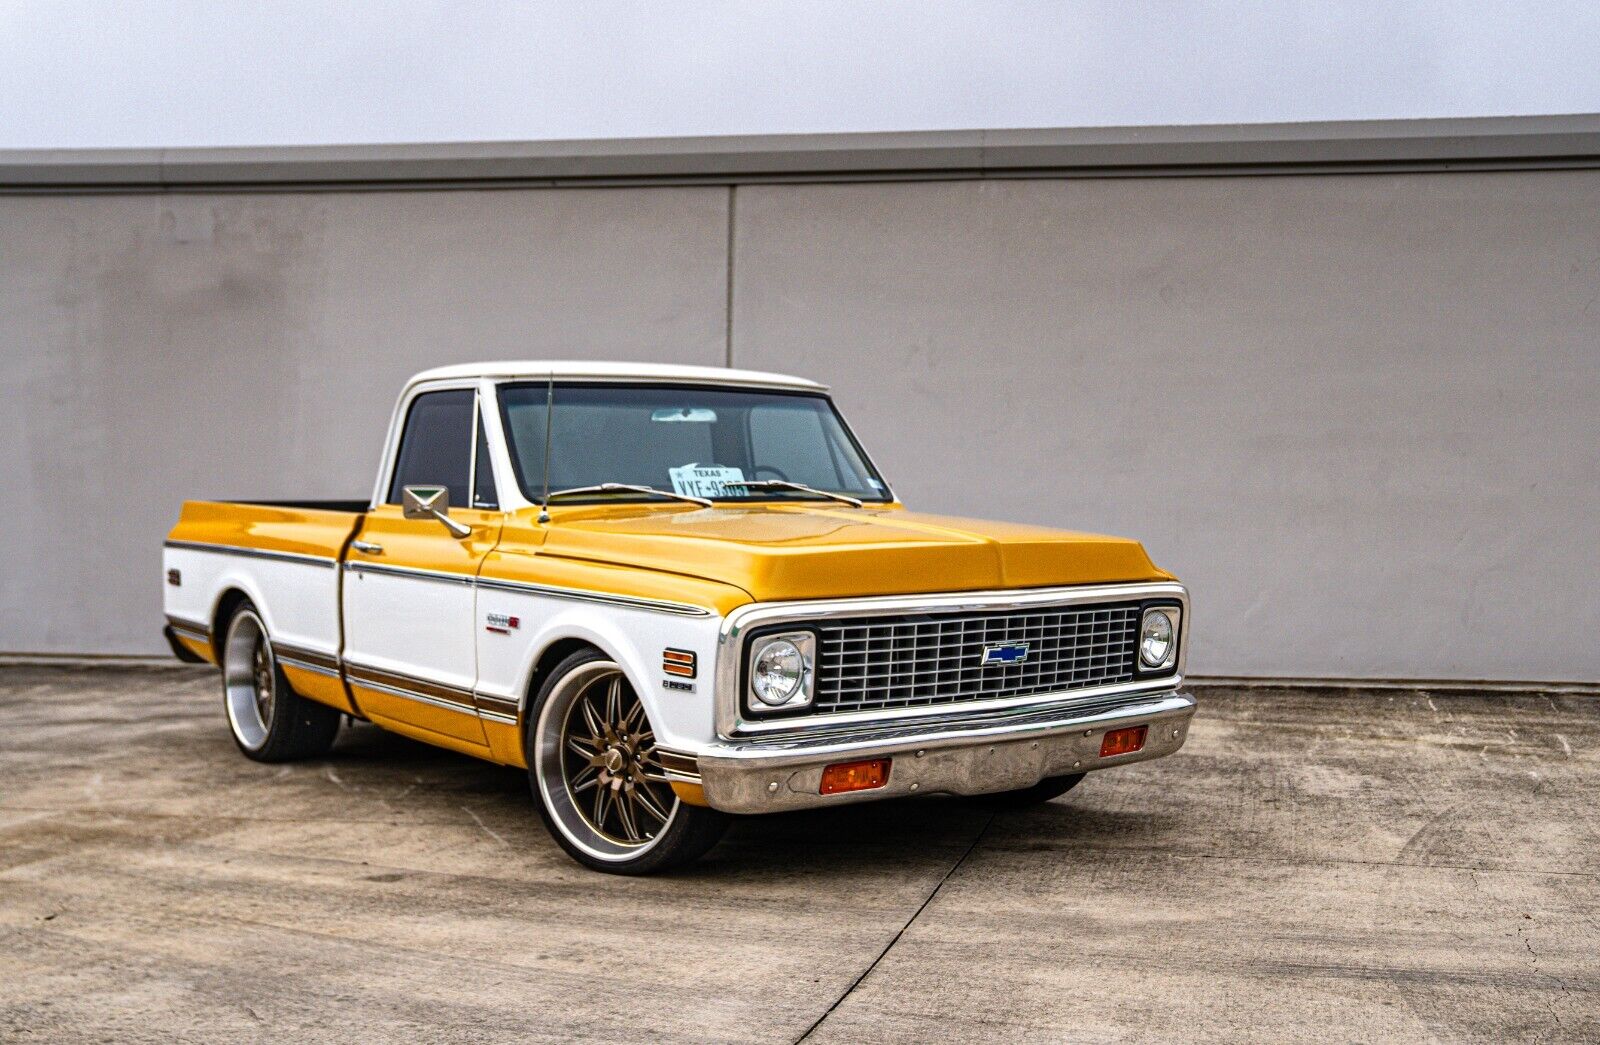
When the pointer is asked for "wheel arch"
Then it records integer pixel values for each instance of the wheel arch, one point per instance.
(568, 633)
(553, 653)
(227, 603)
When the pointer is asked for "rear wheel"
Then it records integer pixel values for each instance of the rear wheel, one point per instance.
(601, 790)
(270, 721)
(1043, 791)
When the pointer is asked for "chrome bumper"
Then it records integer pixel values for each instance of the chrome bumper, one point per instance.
(961, 756)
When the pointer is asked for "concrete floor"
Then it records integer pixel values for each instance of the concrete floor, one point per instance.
(1314, 866)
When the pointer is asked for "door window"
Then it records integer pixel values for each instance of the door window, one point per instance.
(436, 445)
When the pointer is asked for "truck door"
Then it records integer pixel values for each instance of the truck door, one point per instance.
(409, 584)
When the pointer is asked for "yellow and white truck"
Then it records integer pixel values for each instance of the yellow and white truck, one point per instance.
(674, 594)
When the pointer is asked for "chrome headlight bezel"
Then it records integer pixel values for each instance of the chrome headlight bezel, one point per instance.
(804, 694)
(1169, 661)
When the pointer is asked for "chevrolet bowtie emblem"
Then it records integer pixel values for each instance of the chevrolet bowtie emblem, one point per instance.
(1010, 653)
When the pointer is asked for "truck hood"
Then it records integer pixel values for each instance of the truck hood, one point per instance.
(777, 552)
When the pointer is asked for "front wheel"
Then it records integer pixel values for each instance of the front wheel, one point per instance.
(601, 790)
(270, 721)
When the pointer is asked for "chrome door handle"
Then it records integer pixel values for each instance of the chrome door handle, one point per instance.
(368, 547)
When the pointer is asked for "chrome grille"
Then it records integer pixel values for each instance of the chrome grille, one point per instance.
(868, 663)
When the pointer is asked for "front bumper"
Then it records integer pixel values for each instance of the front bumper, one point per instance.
(956, 755)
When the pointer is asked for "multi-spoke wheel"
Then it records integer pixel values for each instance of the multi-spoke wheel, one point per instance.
(601, 788)
(269, 720)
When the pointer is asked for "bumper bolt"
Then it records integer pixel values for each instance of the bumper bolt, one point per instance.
(772, 786)
(921, 753)
(915, 786)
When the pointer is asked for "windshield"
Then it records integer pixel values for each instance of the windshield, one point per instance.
(696, 441)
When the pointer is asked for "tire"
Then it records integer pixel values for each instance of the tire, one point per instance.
(269, 721)
(600, 789)
(1043, 791)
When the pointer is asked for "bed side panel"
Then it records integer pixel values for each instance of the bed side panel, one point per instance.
(285, 560)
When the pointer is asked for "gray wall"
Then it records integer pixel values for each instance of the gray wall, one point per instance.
(1356, 413)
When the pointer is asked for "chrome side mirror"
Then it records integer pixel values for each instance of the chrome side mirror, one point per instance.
(432, 502)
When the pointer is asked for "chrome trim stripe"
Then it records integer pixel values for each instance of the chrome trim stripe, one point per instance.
(574, 594)
(409, 695)
(193, 629)
(679, 765)
(306, 655)
(577, 595)
(409, 571)
(253, 553)
(525, 588)
(456, 698)
(495, 716)
(493, 705)
(303, 665)
(732, 722)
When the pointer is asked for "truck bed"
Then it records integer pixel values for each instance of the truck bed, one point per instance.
(282, 556)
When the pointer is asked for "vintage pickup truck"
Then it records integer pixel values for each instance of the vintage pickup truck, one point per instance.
(674, 594)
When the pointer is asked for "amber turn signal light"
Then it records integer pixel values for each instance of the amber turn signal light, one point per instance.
(1123, 741)
(855, 776)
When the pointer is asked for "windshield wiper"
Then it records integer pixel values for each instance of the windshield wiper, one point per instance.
(629, 488)
(784, 484)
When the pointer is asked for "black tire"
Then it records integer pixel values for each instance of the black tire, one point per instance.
(602, 837)
(1043, 791)
(280, 725)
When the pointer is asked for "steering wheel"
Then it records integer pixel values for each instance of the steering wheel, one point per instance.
(776, 472)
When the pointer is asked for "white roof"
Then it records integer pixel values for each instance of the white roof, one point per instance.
(583, 370)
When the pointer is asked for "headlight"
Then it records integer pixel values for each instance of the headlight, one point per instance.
(1158, 638)
(781, 670)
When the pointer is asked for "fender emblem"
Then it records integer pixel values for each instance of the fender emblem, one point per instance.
(501, 624)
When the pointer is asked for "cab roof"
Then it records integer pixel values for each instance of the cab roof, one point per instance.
(583, 370)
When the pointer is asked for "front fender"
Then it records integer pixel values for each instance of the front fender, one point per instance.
(634, 638)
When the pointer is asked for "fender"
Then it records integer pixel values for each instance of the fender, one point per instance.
(234, 580)
(595, 629)
(635, 640)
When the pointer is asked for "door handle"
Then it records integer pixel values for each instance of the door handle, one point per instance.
(368, 547)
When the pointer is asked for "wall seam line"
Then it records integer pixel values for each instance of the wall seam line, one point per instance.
(727, 313)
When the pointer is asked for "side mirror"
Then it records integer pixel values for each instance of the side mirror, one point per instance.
(432, 502)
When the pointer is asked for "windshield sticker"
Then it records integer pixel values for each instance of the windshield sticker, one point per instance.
(692, 414)
(706, 480)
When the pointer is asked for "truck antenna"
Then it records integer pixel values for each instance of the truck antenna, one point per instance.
(549, 419)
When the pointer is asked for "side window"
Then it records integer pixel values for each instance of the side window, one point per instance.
(483, 492)
(436, 445)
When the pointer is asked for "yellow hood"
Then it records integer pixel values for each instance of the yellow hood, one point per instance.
(811, 551)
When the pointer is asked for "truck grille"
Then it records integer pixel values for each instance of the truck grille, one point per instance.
(868, 663)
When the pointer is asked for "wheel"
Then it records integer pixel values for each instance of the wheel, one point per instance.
(269, 720)
(1043, 791)
(600, 787)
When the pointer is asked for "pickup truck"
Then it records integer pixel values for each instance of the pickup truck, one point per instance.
(674, 594)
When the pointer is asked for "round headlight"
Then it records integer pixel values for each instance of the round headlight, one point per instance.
(1155, 639)
(777, 673)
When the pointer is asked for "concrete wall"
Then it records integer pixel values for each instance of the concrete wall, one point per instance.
(155, 348)
(1359, 416)
(1356, 413)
